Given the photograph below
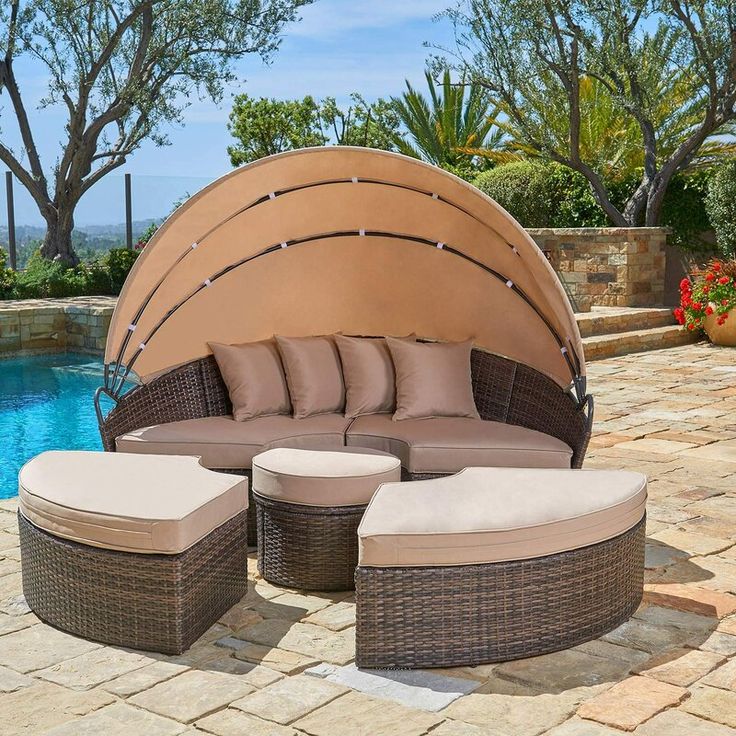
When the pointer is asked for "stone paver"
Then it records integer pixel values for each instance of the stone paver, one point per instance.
(143, 678)
(713, 705)
(93, 668)
(35, 710)
(682, 667)
(360, 715)
(679, 723)
(423, 689)
(520, 715)
(231, 722)
(289, 699)
(631, 702)
(40, 646)
(192, 695)
(119, 719)
(670, 670)
(306, 639)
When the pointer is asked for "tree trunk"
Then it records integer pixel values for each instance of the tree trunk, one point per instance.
(57, 243)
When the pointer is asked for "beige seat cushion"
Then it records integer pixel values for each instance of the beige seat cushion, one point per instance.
(344, 477)
(313, 373)
(222, 442)
(449, 444)
(483, 515)
(254, 377)
(134, 503)
(432, 379)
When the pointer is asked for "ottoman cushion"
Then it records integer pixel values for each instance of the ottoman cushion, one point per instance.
(484, 515)
(345, 477)
(133, 503)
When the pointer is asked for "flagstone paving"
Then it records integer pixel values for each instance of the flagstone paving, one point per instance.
(280, 662)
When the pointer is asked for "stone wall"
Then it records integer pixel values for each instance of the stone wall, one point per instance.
(78, 324)
(609, 266)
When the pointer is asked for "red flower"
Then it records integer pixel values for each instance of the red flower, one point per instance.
(709, 276)
(724, 317)
(679, 315)
(716, 266)
(720, 321)
(723, 280)
(709, 310)
(697, 306)
(706, 289)
(691, 326)
(724, 302)
(685, 285)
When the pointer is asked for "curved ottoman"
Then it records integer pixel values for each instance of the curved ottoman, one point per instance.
(140, 551)
(493, 564)
(308, 507)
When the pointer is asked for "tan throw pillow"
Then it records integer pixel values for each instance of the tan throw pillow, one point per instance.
(432, 379)
(313, 373)
(254, 378)
(368, 371)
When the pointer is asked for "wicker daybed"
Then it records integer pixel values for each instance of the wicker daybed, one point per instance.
(330, 240)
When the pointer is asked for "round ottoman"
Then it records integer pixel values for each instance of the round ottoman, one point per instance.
(308, 506)
(493, 564)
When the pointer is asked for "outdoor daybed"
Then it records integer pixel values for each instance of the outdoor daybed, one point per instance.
(358, 242)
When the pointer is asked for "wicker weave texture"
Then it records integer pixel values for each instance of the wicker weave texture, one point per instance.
(307, 547)
(416, 617)
(153, 602)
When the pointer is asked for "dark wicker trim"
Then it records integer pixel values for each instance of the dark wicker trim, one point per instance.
(307, 547)
(161, 603)
(411, 617)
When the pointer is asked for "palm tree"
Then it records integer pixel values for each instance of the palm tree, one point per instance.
(451, 129)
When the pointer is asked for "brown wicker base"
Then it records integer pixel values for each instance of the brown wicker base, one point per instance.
(307, 547)
(410, 617)
(161, 603)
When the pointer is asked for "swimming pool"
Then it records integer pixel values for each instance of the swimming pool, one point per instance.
(45, 404)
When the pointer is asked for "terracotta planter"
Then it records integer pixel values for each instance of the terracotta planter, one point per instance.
(721, 334)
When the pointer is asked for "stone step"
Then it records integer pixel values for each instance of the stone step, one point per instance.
(610, 320)
(598, 347)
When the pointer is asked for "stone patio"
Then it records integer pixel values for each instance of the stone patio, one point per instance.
(279, 663)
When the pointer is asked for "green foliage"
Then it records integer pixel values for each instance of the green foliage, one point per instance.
(43, 278)
(721, 207)
(454, 128)
(541, 194)
(264, 127)
(7, 277)
(366, 124)
(117, 263)
(523, 188)
(685, 210)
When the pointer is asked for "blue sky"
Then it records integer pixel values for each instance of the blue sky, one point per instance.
(339, 46)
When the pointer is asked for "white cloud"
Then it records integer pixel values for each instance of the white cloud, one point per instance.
(333, 17)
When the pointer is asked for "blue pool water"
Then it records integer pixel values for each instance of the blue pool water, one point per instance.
(45, 404)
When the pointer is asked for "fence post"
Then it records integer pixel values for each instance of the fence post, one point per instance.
(11, 221)
(128, 214)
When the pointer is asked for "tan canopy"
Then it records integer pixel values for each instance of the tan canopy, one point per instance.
(344, 239)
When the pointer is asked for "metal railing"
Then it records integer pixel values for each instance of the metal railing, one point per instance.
(12, 245)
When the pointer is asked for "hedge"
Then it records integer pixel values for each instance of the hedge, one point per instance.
(550, 195)
(720, 205)
(43, 278)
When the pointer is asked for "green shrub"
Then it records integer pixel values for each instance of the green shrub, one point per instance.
(551, 195)
(523, 188)
(720, 204)
(118, 263)
(52, 279)
(7, 277)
